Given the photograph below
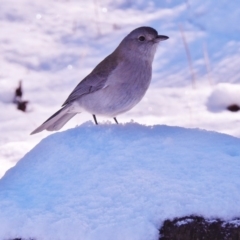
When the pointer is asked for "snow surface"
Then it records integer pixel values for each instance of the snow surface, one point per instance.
(184, 222)
(52, 45)
(119, 182)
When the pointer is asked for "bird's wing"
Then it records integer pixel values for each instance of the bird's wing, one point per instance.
(95, 81)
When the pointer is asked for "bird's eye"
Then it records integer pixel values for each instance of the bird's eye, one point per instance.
(141, 38)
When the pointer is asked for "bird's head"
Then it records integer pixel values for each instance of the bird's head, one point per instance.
(142, 42)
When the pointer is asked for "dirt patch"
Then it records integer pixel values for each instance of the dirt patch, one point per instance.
(198, 228)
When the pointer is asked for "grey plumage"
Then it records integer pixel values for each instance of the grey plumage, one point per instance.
(116, 84)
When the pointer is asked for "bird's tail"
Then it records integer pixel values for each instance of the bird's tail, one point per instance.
(56, 121)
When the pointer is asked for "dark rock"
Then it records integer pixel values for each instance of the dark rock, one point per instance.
(18, 91)
(233, 108)
(198, 228)
(22, 239)
(22, 105)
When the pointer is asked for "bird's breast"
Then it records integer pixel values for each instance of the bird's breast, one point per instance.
(125, 87)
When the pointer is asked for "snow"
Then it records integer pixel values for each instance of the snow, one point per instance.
(184, 222)
(52, 45)
(96, 182)
(235, 222)
(224, 95)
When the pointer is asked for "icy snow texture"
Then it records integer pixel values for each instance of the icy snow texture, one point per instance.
(119, 182)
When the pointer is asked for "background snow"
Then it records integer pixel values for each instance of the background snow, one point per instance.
(121, 181)
(135, 176)
(231, 93)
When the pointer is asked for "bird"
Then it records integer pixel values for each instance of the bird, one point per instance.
(116, 84)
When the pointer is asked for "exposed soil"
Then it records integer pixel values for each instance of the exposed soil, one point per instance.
(198, 228)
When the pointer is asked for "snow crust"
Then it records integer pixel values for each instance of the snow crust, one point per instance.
(119, 182)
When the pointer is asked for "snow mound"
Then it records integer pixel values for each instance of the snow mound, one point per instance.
(223, 96)
(119, 182)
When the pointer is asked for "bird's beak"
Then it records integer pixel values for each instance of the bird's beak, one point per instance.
(161, 38)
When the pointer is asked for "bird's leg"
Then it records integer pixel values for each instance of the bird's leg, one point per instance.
(95, 119)
(115, 119)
